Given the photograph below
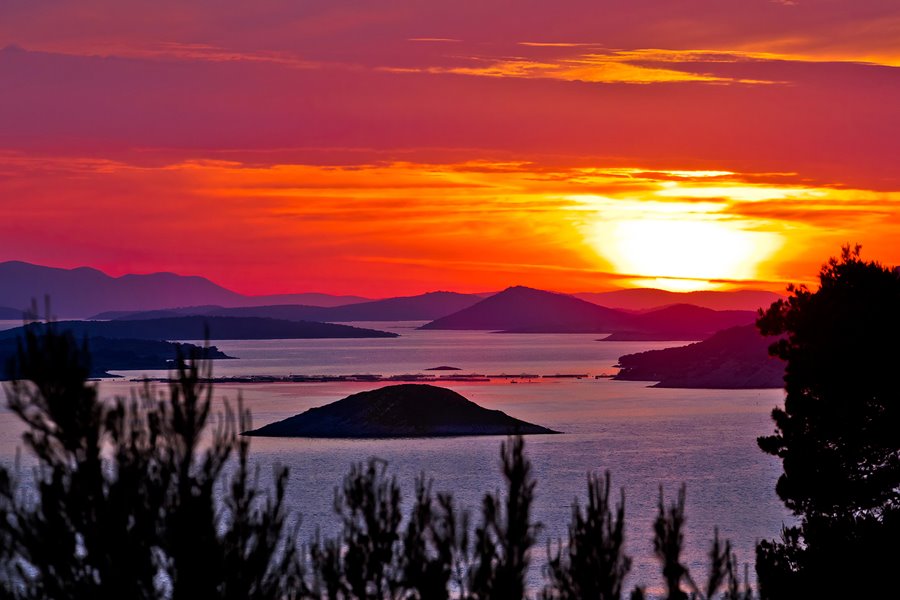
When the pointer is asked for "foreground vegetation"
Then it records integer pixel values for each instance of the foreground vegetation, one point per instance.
(126, 503)
(150, 497)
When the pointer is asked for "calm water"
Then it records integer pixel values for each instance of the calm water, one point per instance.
(646, 437)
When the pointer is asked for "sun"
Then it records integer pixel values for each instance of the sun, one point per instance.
(680, 250)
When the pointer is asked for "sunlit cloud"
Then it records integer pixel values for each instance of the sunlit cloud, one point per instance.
(371, 226)
(611, 66)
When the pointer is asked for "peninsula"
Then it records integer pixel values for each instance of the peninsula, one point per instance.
(211, 328)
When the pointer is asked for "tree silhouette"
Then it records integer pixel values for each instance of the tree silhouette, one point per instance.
(838, 435)
(151, 497)
(595, 563)
(123, 502)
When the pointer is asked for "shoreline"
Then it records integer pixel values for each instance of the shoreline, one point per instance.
(369, 378)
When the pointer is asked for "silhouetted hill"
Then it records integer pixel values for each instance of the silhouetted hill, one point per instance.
(122, 354)
(85, 291)
(410, 410)
(681, 322)
(307, 299)
(648, 298)
(163, 313)
(736, 358)
(523, 309)
(213, 328)
(423, 307)
(526, 310)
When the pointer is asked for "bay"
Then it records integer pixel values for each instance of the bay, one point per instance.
(646, 437)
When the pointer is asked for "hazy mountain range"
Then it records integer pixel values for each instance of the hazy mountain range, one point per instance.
(424, 307)
(84, 292)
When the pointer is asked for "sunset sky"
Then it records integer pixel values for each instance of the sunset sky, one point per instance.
(402, 146)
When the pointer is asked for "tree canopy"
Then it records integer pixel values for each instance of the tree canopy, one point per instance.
(838, 435)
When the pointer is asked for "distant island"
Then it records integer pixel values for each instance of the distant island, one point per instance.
(523, 309)
(736, 358)
(642, 299)
(526, 310)
(423, 307)
(212, 328)
(122, 355)
(444, 368)
(409, 410)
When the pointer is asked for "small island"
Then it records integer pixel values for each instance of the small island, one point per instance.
(408, 410)
(117, 354)
(444, 368)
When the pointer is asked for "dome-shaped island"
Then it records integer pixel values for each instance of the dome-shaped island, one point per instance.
(409, 410)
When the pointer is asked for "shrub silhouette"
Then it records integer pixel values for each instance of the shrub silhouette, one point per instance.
(151, 497)
(595, 563)
(123, 503)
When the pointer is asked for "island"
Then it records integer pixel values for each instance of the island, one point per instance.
(205, 328)
(736, 358)
(526, 310)
(116, 354)
(407, 410)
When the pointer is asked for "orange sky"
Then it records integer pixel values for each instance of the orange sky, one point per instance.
(406, 146)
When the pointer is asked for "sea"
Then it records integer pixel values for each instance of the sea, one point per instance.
(651, 440)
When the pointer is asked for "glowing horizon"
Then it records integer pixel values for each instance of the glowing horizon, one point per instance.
(405, 148)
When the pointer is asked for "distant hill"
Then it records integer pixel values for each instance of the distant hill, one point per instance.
(307, 299)
(681, 322)
(162, 313)
(423, 307)
(122, 354)
(648, 298)
(410, 410)
(213, 328)
(526, 310)
(523, 309)
(85, 291)
(736, 358)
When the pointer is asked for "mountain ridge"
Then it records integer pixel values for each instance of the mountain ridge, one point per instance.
(85, 291)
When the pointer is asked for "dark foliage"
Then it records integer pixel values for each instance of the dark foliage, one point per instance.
(595, 563)
(668, 542)
(838, 435)
(124, 498)
(504, 538)
(150, 497)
